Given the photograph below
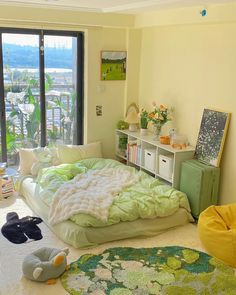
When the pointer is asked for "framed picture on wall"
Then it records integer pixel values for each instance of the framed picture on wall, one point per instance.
(211, 137)
(113, 65)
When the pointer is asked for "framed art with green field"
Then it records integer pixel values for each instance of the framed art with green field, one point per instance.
(113, 65)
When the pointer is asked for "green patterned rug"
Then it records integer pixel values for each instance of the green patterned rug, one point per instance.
(168, 270)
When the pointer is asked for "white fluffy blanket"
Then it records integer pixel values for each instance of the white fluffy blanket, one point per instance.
(90, 193)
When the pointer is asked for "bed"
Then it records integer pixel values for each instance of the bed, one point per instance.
(144, 207)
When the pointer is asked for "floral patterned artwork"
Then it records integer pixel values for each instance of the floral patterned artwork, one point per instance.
(211, 136)
(130, 271)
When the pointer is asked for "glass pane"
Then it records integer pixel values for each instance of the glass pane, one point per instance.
(21, 92)
(60, 88)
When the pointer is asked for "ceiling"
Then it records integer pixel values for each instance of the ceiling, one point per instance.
(119, 6)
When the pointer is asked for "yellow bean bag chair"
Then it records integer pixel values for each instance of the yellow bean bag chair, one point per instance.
(217, 232)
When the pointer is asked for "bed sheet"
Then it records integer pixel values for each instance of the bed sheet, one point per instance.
(84, 237)
(146, 198)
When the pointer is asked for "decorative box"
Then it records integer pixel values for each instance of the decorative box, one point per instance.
(150, 159)
(166, 166)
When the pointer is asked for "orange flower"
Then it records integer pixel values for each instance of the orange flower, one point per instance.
(151, 115)
(162, 108)
(160, 115)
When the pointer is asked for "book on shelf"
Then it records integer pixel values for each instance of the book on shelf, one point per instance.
(134, 152)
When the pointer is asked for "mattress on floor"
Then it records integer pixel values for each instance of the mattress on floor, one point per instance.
(82, 237)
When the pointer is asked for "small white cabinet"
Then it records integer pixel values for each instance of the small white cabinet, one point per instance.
(160, 160)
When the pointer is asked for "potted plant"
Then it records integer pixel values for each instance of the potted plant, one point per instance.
(122, 125)
(143, 121)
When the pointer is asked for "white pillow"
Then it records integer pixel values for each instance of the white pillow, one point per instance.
(32, 160)
(27, 159)
(73, 153)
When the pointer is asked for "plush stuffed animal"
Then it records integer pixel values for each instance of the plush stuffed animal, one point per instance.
(19, 230)
(45, 264)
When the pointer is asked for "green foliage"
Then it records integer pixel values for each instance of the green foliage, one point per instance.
(122, 125)
(123, 141)
(143, 119)
(53, 134)
(32, 119)
(48, 82)
(24, 119)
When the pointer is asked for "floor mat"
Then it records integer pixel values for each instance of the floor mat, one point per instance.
(169, 270)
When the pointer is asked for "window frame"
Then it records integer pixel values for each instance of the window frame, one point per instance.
(78, 138)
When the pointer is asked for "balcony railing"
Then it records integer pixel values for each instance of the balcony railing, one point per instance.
(21, 114)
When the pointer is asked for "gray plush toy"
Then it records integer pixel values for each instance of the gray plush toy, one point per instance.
(45, 264)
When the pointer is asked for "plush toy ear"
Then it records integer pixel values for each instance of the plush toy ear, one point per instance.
(59, 258)
(37, 220)
(12, 216)
(66, 250)
(37, 272)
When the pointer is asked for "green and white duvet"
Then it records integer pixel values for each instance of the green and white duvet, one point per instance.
(146, 198)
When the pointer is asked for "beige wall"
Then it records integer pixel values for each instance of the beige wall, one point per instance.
(44, 17)
(134, 54)
(224, 13)
(109, 94)
(175, 57)
(191, 67)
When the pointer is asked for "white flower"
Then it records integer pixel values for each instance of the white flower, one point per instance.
(15, 97)
(26, 108)
(98, 292)
(79, 282)
(103, 273)
(154, 103)
(131, 264)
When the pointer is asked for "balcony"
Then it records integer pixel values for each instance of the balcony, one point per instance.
(23, 116)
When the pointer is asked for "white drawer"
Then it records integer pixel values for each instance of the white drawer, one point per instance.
(166, 166)
(150, 159)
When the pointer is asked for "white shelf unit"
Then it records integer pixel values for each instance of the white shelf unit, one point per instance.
(146, 143)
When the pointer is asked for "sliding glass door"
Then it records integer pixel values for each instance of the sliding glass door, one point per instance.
(60, 83)
(41, 98)
(20, 62)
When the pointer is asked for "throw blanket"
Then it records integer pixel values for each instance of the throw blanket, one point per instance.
(91, 193)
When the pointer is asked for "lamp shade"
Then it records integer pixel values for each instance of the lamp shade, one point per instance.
(132, 118)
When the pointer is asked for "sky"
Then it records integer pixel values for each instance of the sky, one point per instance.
(33, 40)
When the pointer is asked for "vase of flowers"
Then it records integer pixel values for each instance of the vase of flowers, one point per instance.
(159, 116)
(143, 114)
(157, 130)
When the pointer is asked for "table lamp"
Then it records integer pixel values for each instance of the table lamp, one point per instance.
(133, 119)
